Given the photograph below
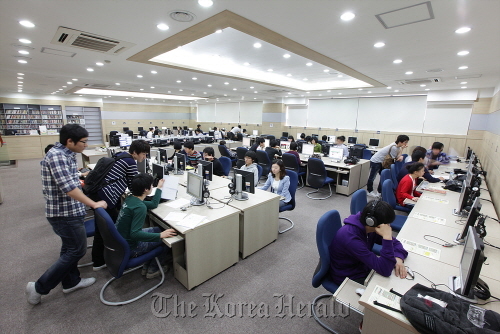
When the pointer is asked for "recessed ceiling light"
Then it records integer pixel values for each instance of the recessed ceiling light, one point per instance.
(20, 82)
(141, 89)
(162, 26)
(74, 79)
(305, 79)
(246, 64)
(309, 64)
(347, 16)
(369, 91)
(328, 91)
(463, 53)
(255, 92)
(397, 61)
(22, 61)
(225, 94)
(65, 86)
(20, 73)
(286, 55)
(270, 70)
(152, 87)
(23, 52)
(235, 88)
(326, 71)
(99, 64)
(153, 72)
(69, 83)
(192, 94)
(423, 85)
(90, 69)
(379, 44)
(308, 92)
(178, 81)
(80, 95)
(340, 76)
(427, 89)
(340, 93)
(20, 91)
(462, 30)
(289, 93)
(204, 92)
(289, 75)
(117, 83)
(218, 31)
(205, 3)
(139, 76)
(397, 90)
(25, 41)
(360, 88)
(257, 45)
(463, 67)
(22, 85)
(251, 87)
(388, 87)
(194, 78)
(20, 78)
(26, 24)
(463, 87)
(209, 85)
(226, 83)
(463, 82)
(409, 72)
(255, 98)
(181, 90)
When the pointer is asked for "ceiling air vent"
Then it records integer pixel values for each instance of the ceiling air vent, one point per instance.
(84, 40)
(96, 86)
(182, 16)
(419, 81)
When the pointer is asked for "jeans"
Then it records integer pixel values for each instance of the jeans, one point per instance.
(374, 169)
(71, 230)
(143, 247)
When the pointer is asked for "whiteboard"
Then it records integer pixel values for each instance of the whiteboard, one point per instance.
(227, 112)
(450, 120)
(393, 114)
(296, 116)
(251, 112)
(206, 112)
(333, 113)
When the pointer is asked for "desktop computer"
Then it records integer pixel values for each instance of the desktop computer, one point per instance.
(373, 142)
(352, 140)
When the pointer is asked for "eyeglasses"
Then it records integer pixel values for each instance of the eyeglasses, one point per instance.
(83, 142)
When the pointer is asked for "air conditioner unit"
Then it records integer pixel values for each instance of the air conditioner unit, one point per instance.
(423, 81)
(92, 42)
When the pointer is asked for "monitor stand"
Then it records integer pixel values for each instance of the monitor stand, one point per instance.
(457, 213)
(459, 241)
(454, 284)
(197, 202)
(238, 194)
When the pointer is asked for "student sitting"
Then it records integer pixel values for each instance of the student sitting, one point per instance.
(418, 156)
(407, 185)
(251, 165)
(150, 134)
(436, 156)
(291, 139)
(244, 133)
(339, 143)
(217, 134)
(293, 150)
(273, 150)
(231, 153)
(324, 138)
(260, 144)
(303, 136)
(351, 250)
(198, 133)
(279, 182)
(308, 139)
(177, 149)
(192, 156)
(317, 146)
(198, 127)
(131, 219)
(209, 155)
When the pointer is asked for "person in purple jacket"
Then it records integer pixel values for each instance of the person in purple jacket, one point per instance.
(351, 250)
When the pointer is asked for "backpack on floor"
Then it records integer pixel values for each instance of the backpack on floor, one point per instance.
(95, 179)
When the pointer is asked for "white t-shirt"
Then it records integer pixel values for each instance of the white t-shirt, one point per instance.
(149, 135)
(236, 130)
(275, 186)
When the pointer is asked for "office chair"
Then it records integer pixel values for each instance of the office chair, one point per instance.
(112, 133)
(290, 162)
(367, 154)
(230, 135)
(264, 161)
(90, 231)
(239, 136)
(394, 177)
(259, 175)
(389, 197)
(130, 133)
(224, 152)
(240, 154)
(385, 175)
(290, 205)
(358, 201)
(117, 256)
(326, 230)
(317, 178)
(226, 165)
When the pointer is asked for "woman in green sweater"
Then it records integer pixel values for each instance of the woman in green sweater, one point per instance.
(131, 219)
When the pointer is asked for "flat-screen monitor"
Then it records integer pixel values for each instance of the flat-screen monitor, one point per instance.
(285, 145)
(125, 129)
(255, 132)
(284, 134)
(140, 128)
(308, 149)
(174, 128)
(195, 187)
(181, 161)
(315, 135)
(356, 151)
(246, 142)
(185, 127)
(464, 197)
(336, 154)
(141, 166)
(471, 220)
(158, 171)
(163, 155)
(468, 153)
(246, 184)
(373, 142)
(207, 169)
(211, 133)
(352, 140)
(266, 142)
(331, 139)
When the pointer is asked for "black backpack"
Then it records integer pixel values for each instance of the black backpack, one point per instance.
(459, 316)
(95, 180)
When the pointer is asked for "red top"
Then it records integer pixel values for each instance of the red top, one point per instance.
(406, 189)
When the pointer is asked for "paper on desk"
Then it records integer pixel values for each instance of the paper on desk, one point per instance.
(178, 203)
(435, 200)
(429, 218)
(175, 216)
(415, 247)
(409, 201)
(191, 221)
(384, 296)
(169, 189)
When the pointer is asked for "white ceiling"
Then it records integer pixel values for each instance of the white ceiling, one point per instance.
(316, 24)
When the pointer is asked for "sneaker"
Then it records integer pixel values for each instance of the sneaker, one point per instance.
(99, 268)
(374, 193)
(33, 296)
(84, 282)
(144, 270)
(155, 272)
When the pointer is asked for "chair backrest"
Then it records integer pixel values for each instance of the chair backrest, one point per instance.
(240, 152)
(113, 133)
(130, 133)
(239, 136)
(326, 230)
(388, 193)
(385, 175)
(394, 176)
(358, 201)
(230, 135)
(316, 173)
(226, 165)
(294, 180)
(367, 154)
(224, 151)
(259, 173)
(264, 161)
(290, 162)
(398, 165)
(116, 249)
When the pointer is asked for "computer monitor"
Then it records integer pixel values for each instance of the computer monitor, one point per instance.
(141, 166)
(211, 133)
(284, 134)
(125, 129)
(266, 142)
(207, 169)
(195, 188)
(158, 172)
(356, 151)
(243, 181)
(315, 135)
(471, 221)
(185, 127)
(325, 148)
(331, 139)
(352, 140)
(462, 201)
(174, 128)
(140, 128)
(336, 154)
(374, 142)
(308, 149)
(163, 155)
(179, 163)
(246, 142)
(285, 145)
(470, 267)
(255, 132)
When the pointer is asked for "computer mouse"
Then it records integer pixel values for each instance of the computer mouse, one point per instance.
(360, 291)
(183, 208)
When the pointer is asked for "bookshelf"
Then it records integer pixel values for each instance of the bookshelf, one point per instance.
(23, 118)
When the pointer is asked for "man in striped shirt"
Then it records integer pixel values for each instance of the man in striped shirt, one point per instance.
(118, 179)
(192, 156)
(65, 211)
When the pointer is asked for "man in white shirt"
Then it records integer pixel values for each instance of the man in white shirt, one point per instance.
(339, 143)
(236, 130)
(395, 150)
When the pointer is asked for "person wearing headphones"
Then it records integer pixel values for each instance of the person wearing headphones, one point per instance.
(351, 250)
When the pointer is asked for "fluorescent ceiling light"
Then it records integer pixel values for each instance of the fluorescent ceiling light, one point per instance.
(257, 45)
(309, 64)
(25, 41)
(74, 79)
(286, 55)
(22, 61)
(463, 82)
(92, 91)
(463, 67)
(218, 31)
(153, 72)
(409, 72)
(69, 83)
(26, 24)
(139, 76)
(90, 69)
(99, 64)
(20, 73)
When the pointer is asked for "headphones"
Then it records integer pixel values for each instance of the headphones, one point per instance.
(232, 188)
(205, 192)
(370, 219)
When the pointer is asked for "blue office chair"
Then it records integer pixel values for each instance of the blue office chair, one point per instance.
(326, 230)
(226, 165)
(224, 152)
(399, 222)
(264, 161)
(367, 154)
(290, 162)
(117, 256)
(240, 154)
(90, 231)
(394, 176)
(358, 201)
(317, 178)
(385, 175)
(259, 173)
(398, 165)
(389, 197)
(291, 205)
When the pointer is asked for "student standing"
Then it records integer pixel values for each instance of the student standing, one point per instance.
(279, 182)
(395, 150)
(65, 211)
(407, 185)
